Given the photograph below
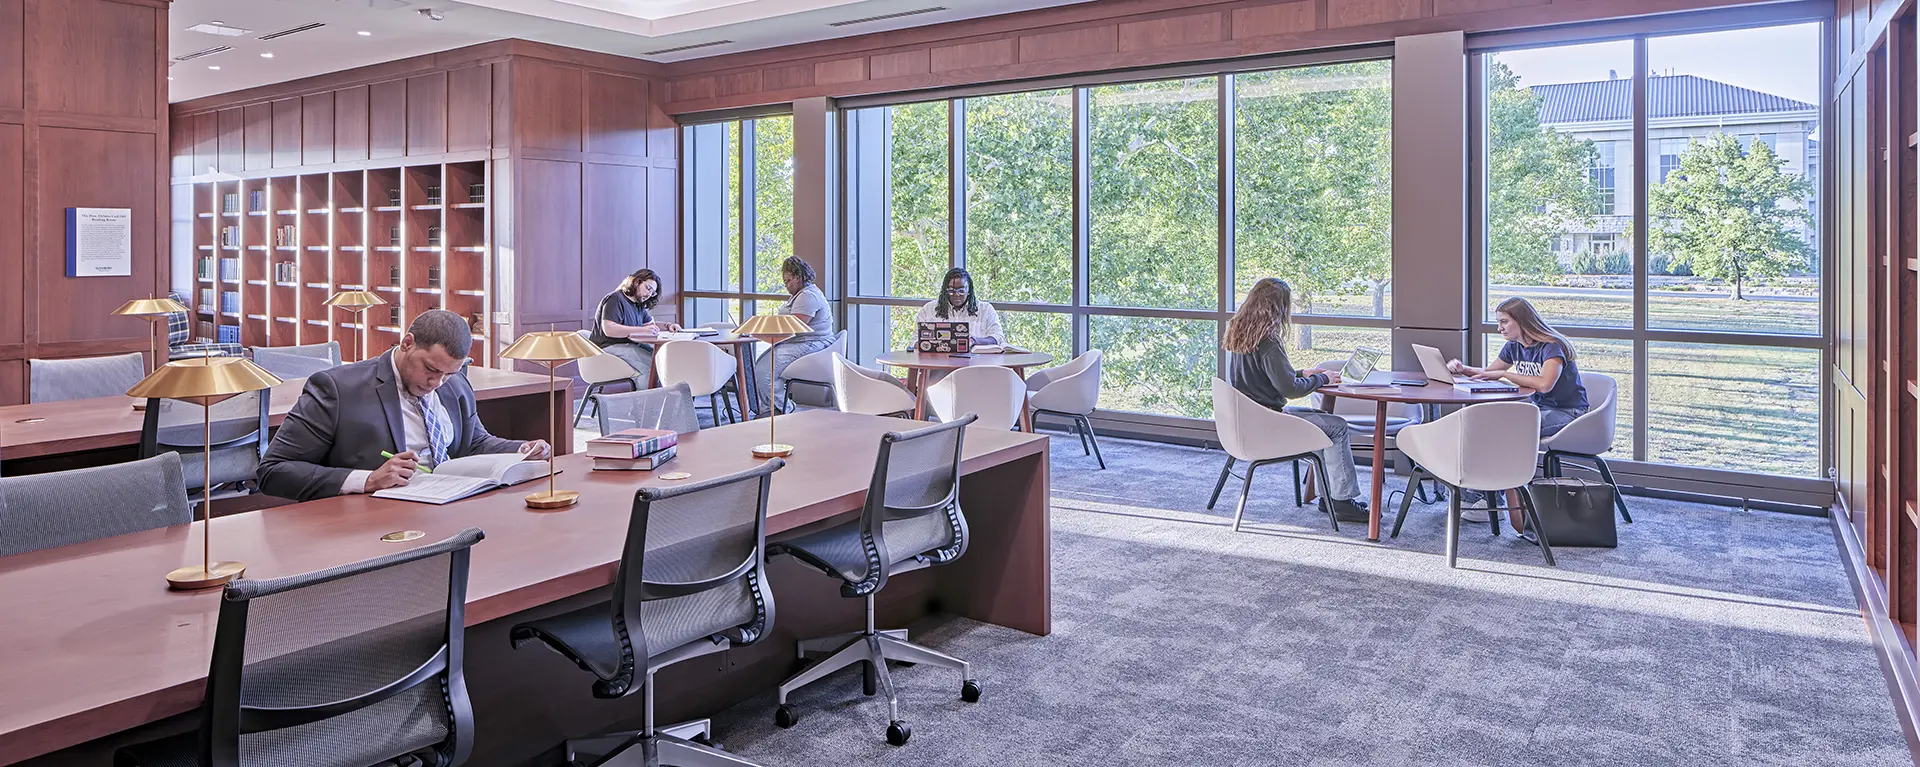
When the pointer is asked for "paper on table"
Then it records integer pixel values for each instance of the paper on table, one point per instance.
(998, 349)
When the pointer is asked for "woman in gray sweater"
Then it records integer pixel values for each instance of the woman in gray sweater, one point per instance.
(1257, 365)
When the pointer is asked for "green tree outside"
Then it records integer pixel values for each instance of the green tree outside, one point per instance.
(1731, 215)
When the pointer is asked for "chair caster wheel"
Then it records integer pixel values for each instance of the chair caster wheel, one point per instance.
(785, 716)
(970, 691)
(898, 732)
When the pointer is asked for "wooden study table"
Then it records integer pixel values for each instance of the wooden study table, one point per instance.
(96, 644)
(1434, 393)
(51, 436)
(922, 365)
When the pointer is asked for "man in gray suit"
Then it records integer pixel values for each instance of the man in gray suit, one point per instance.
(412, 402)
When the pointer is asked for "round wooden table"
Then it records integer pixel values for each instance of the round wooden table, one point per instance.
(1433, 393)
(920, 364)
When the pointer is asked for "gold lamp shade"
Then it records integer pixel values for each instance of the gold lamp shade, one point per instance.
(551, 348)
(354, 299)
(203, 382)
(772, 327)
(150, 307)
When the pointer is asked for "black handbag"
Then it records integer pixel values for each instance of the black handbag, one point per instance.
(1574, 512)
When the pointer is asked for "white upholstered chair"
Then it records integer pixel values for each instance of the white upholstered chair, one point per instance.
(1070, 391)
(703, 367)
(1489, 447)
(995, 394)
(814, 374)
(599, 371)
(859, 390)
(1590, 435)
(1251, 432)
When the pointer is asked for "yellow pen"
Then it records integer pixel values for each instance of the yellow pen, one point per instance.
(421, 469)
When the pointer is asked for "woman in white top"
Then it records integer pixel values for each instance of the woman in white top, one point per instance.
(958, 304)
(804, 300)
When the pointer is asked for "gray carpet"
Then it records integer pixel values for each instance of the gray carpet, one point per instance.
(1710, 637)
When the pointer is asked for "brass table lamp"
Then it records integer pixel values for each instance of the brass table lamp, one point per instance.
(551, 347)
(772, 328)
(358, 302)
(203, 382)
(153, 310)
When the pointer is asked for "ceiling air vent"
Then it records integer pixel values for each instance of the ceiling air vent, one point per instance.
(291, 31)
(217, 28)
(884, 17)
(207, 52)
(687, 47)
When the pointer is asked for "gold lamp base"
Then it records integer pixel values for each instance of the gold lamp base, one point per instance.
(552, 499)
(773, 450)
(197, 577)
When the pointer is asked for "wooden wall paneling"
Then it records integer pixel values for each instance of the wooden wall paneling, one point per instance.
(316, 129)
(470, 108)
(1172, 31)
(663, 134)
(974, 55)
(233, 141)
(614, 227)
(902, 64)
(13, 381)
(737, 83)
(1353, 13)
(104, 169)
(663, 240)
(13, 65)
(502, 106)
(618, 113)
(1068, 44)
(206, 141)
(548, 103)
(350, 124)
(840, 71)
(286, 133)
(104, 57)
(180, 146)
(427, 114)
(1280, 19)
(548, 196)
(1452, 7)
(13, 236)
(793, 76)
(259, 136)
(387, 119)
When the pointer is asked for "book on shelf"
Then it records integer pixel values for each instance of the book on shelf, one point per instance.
(203, 268)
(477, 192)
(393, 276)
(393, 316)
(229, 334)
(229, 268)
(433, 276)
(230, 202)
(229, 236)
(461, 477)
(203, 330)
(433, 194)
(647, 462)
(393, 236)
(433, 235)
(632, 443)
(393, 196)
(257, 200)
(285, 271)
(206, 299)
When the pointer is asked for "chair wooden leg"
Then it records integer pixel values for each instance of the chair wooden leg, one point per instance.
(1533, 523)
(1220, 485)
(1246, 489)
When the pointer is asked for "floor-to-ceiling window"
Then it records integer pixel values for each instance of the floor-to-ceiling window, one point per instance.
(1695, 283)
(1130, 217)
(738, 223)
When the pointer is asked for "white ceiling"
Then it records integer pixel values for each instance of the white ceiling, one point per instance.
(398, 29)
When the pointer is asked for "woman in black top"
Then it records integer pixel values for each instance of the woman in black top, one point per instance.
(1257, 366)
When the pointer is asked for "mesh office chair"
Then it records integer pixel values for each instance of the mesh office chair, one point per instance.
(239, 437)
(84, 377)
(351, 666)
(691, 584)
(911, 521)
(41, 511)
(668, 408)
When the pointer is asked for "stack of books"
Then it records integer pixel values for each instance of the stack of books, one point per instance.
(633, 449)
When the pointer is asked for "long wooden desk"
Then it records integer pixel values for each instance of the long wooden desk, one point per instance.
(50, 436)
(95, 644)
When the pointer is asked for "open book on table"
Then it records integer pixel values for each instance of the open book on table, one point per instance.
(997, 349)
(462, 477)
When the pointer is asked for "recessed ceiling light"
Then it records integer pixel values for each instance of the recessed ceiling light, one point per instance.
(215, 67)
(365, 33)
(266, 55)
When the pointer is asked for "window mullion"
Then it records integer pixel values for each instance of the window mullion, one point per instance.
(1082, 233)
(1640, 189)
(1225, 172)
(956, 183)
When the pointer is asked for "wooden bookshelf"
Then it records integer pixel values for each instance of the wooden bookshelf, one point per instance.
(270, 251)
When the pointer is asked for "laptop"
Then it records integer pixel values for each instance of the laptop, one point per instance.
(943, 337)
(1434, 364)
(1359, 372)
